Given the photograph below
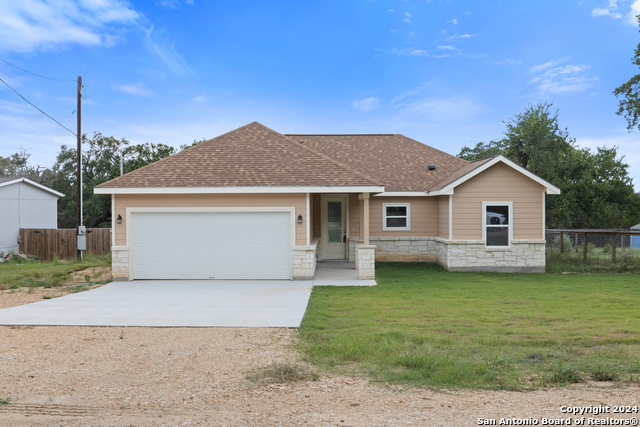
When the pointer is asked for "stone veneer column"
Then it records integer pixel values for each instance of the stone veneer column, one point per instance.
(366, 262)
(303, 262)
(120, 263)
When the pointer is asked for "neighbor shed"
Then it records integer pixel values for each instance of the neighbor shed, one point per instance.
(25, 204)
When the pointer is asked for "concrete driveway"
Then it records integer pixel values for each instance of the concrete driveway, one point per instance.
(173, 303)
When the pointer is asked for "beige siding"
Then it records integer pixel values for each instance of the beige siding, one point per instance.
(124, 201)
(500, 183)
(443, 217)
(424, 216)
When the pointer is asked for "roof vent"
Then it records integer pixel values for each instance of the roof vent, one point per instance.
(432, 167)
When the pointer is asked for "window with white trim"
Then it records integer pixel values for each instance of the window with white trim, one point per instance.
(396, 216)
(497, 230)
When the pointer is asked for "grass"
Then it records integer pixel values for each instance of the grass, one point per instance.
(598, 260)
(33, 273)
(280, 373)
(425, 326)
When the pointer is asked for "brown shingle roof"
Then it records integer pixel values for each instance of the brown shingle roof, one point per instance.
(256, 156)
(250, 156)
(400, 163)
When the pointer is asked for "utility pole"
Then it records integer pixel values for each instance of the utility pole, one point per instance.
(81, 241)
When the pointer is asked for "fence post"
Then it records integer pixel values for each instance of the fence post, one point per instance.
(584, 247)
(562, 242)
(613, 247)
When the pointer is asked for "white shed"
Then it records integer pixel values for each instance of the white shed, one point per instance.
(25, 204)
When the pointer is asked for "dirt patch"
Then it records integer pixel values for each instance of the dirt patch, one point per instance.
(201, 376)
(77, 282)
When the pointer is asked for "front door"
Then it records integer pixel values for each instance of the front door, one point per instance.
(334, 227)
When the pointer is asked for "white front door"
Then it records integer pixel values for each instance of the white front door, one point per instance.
(334, 227)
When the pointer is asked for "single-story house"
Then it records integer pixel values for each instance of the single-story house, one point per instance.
(257, 204)
(25, 204)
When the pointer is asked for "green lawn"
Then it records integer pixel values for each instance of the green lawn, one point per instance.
(425, 326)
(30, 273)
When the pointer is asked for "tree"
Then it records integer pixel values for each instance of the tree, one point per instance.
(100, 163)
(629, 105)
(17, 166)
(597, 191)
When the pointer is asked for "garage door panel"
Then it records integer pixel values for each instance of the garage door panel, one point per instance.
(251, 245)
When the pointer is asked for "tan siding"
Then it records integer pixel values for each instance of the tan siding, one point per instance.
(500, 183)
(443, 217)
(124, 201)
(424, 216)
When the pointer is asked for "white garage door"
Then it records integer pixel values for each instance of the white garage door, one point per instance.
(245, 245)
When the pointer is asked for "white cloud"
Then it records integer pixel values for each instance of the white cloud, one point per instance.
(554, 79)
(199, 99)
(28, 25)
(635, 11)
(410, 52)
(366, 104)
(464, 36)
(442, 109)
(611, 10)
(454, 21)
(173, 4)
(157, 43)
(447, 47)
(134, 89)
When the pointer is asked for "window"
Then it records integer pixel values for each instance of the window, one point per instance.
(497, 223)
(396, 216)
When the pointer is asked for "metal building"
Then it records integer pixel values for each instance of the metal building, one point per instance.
(25, 204)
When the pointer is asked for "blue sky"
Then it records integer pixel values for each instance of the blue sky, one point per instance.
(447, 73)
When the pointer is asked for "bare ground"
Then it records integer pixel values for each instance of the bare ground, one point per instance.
(79, 376)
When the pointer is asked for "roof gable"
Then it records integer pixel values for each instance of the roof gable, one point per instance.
(250, 156)
(11, 181)
(477, 167)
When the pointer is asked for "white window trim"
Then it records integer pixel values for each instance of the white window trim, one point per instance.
(485, 225)
(384, 216)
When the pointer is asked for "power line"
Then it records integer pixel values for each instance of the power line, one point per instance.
(34, 106)
(34, 74)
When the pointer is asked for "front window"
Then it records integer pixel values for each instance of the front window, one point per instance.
(396, 216)
(497, 223)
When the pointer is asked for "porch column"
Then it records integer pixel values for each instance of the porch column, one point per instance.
(365, 225)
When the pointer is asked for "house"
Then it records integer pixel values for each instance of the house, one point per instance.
(257, 204)
(25, 204)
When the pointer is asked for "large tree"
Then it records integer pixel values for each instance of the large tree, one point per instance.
(597, 191)
(17, 166)
(629, 105)
(101, 160)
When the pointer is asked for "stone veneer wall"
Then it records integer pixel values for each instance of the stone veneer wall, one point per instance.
(521, 256)
(524, 256)
(120, 263)
(303, 261)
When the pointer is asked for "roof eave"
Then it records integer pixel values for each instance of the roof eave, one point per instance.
(240, 190)
(35, 184)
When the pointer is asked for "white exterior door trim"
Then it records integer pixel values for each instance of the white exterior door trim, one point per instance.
(344, 198)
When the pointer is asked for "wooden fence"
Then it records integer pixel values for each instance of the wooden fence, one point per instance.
(46, 243)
